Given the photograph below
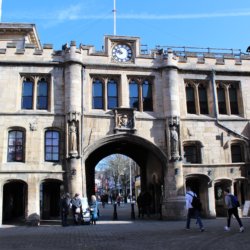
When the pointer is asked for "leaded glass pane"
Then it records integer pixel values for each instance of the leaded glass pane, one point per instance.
(97, 94)
(190, 100)
(15, 146)
(147, 96)
(233, 101)
(52, 146)
(27, 95)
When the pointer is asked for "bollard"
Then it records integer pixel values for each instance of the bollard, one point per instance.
(115, 212)
(132, 211)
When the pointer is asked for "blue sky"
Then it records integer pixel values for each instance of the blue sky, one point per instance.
(207, 23)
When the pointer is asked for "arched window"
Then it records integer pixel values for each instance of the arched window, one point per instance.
(233, 100)
(192, 152)
(112, 94)
(35, 92)
(196, 97)
(221, 100)
(15, 146)
(97, 93)
(203, 99)
(133, 95)
(52, 145)
(27, 94)
(237, 153)
(190, 99)
(147, 96)
(227, 93)
(42, 94)
(140, 95)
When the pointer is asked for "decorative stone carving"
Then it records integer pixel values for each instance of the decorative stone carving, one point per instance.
(73, 134)
(124, 119)
(174, 142)
(73, 138)
(174, 138)
(33, 126)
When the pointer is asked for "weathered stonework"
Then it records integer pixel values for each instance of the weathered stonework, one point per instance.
(145, 136)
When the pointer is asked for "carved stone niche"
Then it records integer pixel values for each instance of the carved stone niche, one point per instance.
(124, 120)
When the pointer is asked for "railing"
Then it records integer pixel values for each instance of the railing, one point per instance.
(198, 51)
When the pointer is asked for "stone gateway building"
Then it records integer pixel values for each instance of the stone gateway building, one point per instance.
(182, 115)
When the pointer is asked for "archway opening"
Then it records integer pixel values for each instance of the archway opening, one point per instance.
(115, 179)
(219, 187)
(148, 158)
(199, 184)
(14, 202)
(50, 199)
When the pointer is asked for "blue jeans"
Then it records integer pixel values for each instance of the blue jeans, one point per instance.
(193, 213)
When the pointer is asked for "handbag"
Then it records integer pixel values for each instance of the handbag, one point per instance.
(78, 210)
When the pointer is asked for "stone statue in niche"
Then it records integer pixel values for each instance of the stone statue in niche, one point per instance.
(72, 138)
(174, 143)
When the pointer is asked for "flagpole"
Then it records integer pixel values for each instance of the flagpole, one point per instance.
(114, 11)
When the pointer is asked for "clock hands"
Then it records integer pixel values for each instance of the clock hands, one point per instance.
(122, 53)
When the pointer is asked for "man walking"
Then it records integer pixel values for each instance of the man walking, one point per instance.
(231, 210)
(192, 211)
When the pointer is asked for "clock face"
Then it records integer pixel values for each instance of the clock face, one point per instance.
(122, 53)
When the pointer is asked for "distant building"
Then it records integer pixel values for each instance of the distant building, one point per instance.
(182, 115)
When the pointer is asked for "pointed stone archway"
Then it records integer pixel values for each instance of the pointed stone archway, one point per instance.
(151, 159)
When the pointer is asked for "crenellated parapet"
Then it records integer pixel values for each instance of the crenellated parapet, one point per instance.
(13, 53)
(71, 53)
(202, 57)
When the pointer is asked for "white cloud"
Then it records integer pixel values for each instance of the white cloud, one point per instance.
(75, 13)
(81, 12)
(183, 16)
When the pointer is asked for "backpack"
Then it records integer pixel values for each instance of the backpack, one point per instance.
(196, 203)
(234, 201)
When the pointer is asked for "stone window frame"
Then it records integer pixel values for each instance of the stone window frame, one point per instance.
(225, 86)
(23, 131)
(59, 139)
(198, 149)
(139, 80)
(195, 84)
(242, 146)
(35, 79)
(104, 79)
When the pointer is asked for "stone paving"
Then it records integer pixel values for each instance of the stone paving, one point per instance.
(127, 234)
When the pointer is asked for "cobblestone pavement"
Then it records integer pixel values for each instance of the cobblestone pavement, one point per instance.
(127, 234)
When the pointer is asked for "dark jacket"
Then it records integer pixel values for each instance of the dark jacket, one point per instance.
(65, 204)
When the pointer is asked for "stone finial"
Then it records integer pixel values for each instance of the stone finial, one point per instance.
(72, 43)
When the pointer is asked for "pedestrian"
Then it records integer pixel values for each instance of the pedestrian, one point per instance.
(146, 203)
(118, 200)
(139, 204)
(192, 212)
(93, 205)
(103, 200)
(77, 209)
(65, 207)
(231, 210)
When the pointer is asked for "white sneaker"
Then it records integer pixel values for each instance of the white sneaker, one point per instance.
(242, 229)
(226, 228)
